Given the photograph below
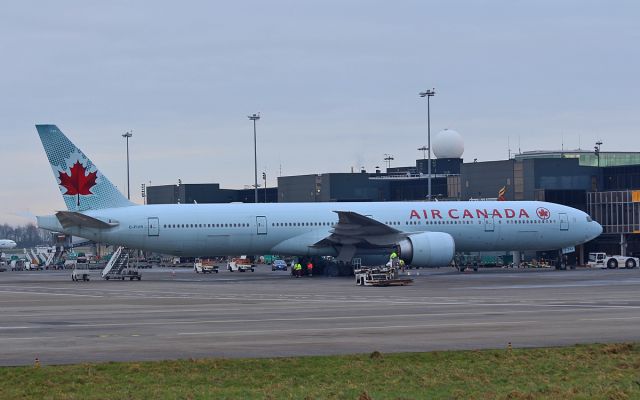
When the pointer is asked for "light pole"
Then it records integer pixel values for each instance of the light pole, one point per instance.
(127, 135)
(388, 158)
(254, 118)
(264, 178)
(423, 149)
(428, 94)
(597, 151)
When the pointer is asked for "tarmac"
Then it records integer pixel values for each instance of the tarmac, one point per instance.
(178, 314)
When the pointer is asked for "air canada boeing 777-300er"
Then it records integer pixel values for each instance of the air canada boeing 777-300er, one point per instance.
(425, 233)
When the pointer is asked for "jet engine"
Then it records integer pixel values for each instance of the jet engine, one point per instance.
(428, 249)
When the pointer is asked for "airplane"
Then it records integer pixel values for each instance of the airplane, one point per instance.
(6, 244)
(424, 234)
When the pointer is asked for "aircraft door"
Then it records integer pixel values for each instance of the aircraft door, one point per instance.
(488, 225)
(261, 224)
(564, 222)
(153, 226)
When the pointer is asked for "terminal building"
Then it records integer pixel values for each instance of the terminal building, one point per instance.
(604, 184)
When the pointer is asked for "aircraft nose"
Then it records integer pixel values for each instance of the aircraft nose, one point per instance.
(594, 230)
(597, 229)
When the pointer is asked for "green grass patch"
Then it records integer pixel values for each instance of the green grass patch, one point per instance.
(610, 371)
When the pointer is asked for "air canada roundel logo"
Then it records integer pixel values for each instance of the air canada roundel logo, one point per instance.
(543, 213)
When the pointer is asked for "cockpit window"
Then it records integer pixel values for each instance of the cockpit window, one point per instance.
(589, 219)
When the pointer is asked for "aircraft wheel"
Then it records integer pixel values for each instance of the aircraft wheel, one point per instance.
(612, 264)
(332, 271)
(630, 263)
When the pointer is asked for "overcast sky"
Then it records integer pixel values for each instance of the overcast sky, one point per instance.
(336, 83)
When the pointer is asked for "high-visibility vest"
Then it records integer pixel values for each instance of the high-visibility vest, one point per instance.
(394, 255)
(298, 267)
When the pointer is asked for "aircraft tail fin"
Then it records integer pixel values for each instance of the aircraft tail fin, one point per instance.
(81, 184)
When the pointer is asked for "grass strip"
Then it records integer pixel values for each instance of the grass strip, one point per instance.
(602, 371)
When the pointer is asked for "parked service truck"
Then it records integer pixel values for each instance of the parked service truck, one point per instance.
(242, 264)
(602, 260)
(205, 266)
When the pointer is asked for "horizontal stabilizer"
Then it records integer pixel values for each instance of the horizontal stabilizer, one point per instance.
(71, 218)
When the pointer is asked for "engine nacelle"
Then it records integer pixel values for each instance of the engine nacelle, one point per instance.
(428, 249)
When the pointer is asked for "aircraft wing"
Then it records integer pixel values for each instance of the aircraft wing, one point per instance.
(355, 230)
(71, 218)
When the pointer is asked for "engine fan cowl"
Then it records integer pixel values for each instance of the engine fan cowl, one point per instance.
(428, 249)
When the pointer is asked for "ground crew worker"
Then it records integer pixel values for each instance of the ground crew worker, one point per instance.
(394, 259)
(310, 268)
(298, 269)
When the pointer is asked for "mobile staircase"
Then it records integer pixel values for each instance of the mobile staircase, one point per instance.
(118, 266)
(49, 260)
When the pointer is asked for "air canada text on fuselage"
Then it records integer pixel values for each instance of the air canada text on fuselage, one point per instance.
(469, 213)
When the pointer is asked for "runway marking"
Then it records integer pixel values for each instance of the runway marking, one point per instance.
(267, 320)
(557, 285)
(608, 319)
(30, 338)
(354, 328)
(47, 294)
(445, 300)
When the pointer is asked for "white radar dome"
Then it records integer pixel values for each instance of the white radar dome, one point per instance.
(448, 144)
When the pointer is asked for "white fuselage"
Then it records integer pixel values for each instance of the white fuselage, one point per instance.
(291, 228)
(6, 244)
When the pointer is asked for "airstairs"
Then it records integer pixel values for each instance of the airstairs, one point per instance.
(49, 260)
(35, 260)
(118, 266)
(118, 262)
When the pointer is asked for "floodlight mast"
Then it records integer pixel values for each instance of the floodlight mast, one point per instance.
(127, 135)
(597, 151)
(428, 94)
(254, 118)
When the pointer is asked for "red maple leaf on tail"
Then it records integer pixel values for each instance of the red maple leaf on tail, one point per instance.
(79, 182)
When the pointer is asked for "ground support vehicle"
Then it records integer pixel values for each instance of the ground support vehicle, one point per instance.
(602, 260)
(80, 272)
(279, 265)
(204, 266)
(131, 273)
(118, 267)
(380, 276)
(240, 264)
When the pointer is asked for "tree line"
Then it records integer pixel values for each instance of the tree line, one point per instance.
(26, 235)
